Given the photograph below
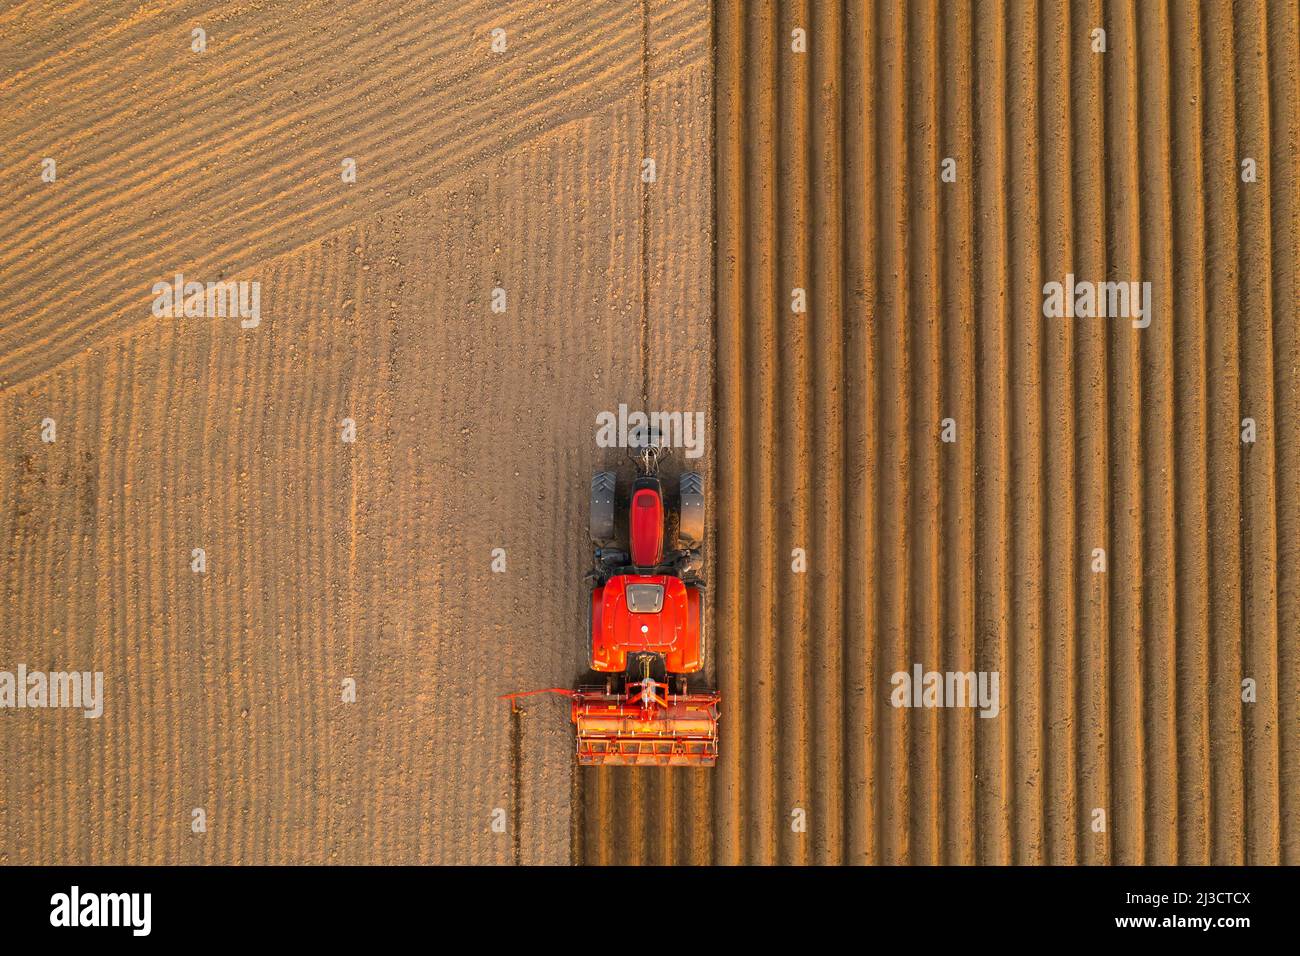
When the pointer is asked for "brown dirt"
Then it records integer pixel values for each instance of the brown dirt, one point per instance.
(1121, 690)
(474, 430)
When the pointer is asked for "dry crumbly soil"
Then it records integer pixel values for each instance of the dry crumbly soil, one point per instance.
(327, 560)
(1121, 690)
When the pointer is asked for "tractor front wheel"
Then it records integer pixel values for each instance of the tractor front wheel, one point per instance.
(604, 492)
(690, 502)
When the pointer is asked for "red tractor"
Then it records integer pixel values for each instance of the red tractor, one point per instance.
(646, 618)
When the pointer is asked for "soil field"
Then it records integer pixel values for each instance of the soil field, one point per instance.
(911, 465)
(326, 561)
(1100, 531)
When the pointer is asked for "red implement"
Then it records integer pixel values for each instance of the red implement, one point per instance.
(647, 726)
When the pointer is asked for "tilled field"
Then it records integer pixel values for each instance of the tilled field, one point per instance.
(1124, 733)
(436, 561)
(911, 464)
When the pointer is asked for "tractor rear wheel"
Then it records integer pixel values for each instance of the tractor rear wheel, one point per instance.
(704, 641)
(604, 487)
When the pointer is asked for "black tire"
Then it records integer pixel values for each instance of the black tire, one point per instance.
(690, 524)
(700, 681)
(589, 643)
(704, 642)
(604, 493)
(594, 678)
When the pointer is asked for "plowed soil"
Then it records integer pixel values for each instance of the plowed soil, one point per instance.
(327, 560)
(1123, 735)
(849, 540)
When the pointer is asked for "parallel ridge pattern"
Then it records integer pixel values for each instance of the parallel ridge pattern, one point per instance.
(221, 160)
(327, 560)
(1121, 690)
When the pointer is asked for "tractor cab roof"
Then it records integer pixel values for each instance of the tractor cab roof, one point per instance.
(633, 613)
(644, 598)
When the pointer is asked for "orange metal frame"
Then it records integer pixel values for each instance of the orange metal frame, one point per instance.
(645, 727)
